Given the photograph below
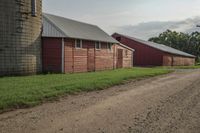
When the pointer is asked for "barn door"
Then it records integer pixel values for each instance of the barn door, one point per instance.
(91, 58)
(119, 58)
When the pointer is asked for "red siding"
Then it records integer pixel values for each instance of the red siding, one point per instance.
(51, 54)
(143, 55)
(147, 56)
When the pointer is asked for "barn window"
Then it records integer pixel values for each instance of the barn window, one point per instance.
(33, 8)
(78, 43)
(98, 45)
(109, 46)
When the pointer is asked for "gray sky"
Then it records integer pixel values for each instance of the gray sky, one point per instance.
(113, 15)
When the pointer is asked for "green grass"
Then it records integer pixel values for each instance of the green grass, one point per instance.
(181, 67)
(198, 64)
(27, 91)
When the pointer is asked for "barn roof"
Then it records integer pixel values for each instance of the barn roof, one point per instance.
(160, 47)
(56, 26)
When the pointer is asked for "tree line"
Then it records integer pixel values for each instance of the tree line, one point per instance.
(189, 43)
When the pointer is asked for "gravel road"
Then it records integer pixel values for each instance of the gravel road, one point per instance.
(163, 104)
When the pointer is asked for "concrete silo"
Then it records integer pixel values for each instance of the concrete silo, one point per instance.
(20, 37)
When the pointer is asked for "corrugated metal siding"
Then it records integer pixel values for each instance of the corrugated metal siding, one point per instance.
(49, 30)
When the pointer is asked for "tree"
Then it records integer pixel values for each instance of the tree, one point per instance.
(189, 43)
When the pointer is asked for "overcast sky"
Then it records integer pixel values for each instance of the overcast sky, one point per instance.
(117, 15)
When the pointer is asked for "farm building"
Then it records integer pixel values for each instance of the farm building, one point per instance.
(153, 54)
(70, 46)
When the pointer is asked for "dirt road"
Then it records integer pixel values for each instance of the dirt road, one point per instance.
(164, 104)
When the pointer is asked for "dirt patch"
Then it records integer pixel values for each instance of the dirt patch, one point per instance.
(169, 103)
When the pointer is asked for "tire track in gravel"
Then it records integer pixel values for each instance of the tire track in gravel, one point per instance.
(178, 113)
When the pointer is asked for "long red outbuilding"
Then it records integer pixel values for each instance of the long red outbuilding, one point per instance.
(153, 54)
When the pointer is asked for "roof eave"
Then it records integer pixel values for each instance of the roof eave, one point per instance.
(126, 47)
(192, 56)
(189, 56)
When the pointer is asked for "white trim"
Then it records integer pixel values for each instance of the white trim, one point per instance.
(81, 44)
(120, 44)
(63, 54)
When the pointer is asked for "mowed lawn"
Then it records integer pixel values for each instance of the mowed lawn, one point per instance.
(26, 91)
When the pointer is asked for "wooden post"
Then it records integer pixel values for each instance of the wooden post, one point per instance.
(94, 58)
(73, 45)
(87, 57)
(63, 55)
(114, 56)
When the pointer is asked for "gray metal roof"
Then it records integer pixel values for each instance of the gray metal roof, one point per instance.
(55, 26)
(161, 47)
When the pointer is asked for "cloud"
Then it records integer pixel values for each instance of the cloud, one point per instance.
(151, 29)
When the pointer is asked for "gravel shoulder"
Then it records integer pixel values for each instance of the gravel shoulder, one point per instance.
(163, 104)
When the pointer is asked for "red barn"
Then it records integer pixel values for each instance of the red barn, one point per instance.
(153, 54)
(72, 46)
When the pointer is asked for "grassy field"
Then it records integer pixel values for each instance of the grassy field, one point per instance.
(20, 92)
